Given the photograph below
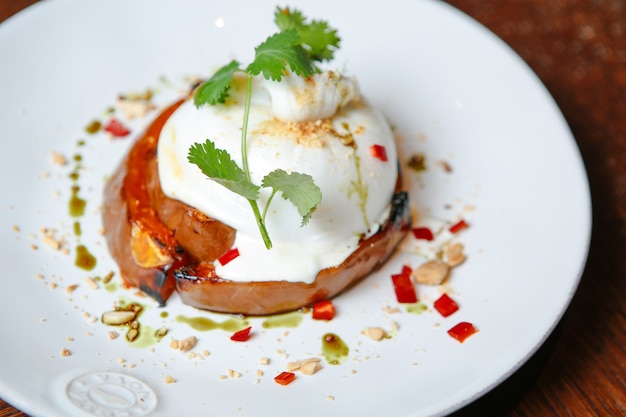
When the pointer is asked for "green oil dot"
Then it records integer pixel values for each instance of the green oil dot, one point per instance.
(77, 229)
(288, 320)
(77, 204)
(84, 259)
(417, 308)
(205, 324)
(334, 349)
(93, 127)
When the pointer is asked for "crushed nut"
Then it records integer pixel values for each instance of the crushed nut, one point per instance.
(107, 278)
(169, 379)
(161, 332)
(91, 283)
(132, 335)
(453, 253)
(117, 317)
(374, 333)
(135, 105)
(113, 335)
(187, 343)
(432, 272)
(234, 374)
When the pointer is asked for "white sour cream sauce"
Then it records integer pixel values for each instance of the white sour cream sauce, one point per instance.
(296, 125)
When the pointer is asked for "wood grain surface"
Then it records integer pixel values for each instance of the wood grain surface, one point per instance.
(578, 49)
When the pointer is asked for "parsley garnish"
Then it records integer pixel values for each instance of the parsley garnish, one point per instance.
(296, 47)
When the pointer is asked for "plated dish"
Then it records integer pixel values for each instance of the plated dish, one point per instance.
(454, 93)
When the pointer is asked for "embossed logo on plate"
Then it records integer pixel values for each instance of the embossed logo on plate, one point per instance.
(111, 394)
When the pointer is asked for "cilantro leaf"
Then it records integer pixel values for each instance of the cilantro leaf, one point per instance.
(218, 166)
(299, 189)
(288, 19)
(279, 51)
(319, 39)
(215, 89)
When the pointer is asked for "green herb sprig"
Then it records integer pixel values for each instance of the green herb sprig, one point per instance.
(298, 46)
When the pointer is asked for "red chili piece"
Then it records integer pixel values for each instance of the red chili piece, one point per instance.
(462, 331)
(242, 335)
(445, 305)
(116, 128)
(285, 378)
(423, 233)
(228, 256)
(458, 226)
(379, 151)
(404, 289)
(323, 310)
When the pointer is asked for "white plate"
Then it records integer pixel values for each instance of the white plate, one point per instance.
(452, 90)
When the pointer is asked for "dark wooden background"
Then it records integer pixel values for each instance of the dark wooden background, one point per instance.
(578, 49)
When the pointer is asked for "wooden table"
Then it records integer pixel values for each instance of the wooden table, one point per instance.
(578, 49)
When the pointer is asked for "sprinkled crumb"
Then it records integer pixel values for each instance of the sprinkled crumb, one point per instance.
(16, 228)
(66, 352)
(169, 379)
(113, 335)
(70, 339)
(70, 289)
(394, 326)
(234, 374)
(391, 310)
(264, 361)
(58, 158)
(330, 397)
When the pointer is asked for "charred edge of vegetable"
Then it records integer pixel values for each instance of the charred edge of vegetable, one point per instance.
(400, 213)
(154, 288)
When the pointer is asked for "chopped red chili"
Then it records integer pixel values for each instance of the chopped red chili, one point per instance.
(242, 335)
(323, 310)
(462, 331)
(228, 256)
(445, 305)
(423, 233)
(116, 128)
(404, 289)
(285, 378)
(458, 226)
(379, 152)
